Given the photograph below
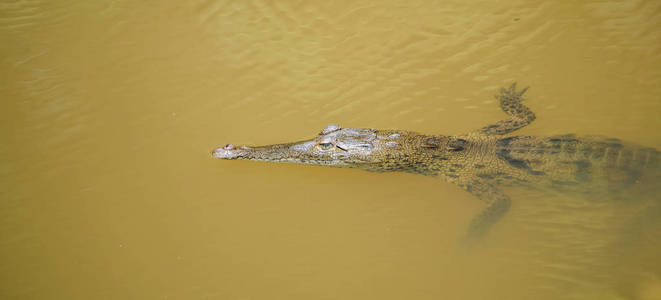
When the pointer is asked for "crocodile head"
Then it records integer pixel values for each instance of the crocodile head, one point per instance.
(333, 146)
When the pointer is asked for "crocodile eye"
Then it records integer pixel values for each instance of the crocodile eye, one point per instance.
(326, 146)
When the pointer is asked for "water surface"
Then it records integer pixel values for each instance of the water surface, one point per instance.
(111, 108)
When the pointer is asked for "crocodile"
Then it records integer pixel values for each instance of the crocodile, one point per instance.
(481, 162)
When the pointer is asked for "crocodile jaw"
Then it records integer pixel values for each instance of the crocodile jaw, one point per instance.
(298, 153)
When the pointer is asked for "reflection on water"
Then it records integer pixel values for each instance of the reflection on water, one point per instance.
(110, 109)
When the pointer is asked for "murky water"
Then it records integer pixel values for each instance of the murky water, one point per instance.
(110, 110)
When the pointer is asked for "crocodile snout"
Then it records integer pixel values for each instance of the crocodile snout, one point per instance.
(229, 152)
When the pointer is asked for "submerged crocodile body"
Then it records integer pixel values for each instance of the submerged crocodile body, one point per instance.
(481, 162)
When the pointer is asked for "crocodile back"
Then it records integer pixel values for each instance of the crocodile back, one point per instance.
(589, 165)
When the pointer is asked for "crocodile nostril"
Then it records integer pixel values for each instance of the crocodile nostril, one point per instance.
(229, 147)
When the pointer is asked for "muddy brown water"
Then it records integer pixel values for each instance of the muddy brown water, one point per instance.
(110, 110)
